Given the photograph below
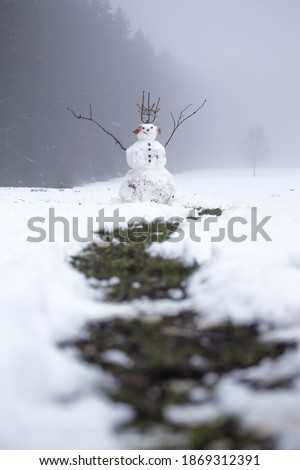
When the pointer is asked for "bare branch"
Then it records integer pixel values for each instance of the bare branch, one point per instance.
(148, 113)
(174, 122)
(90, 118)
(181, 119)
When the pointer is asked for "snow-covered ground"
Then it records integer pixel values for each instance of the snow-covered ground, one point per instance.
(46, 395)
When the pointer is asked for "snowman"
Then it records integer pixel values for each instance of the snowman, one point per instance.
(148, 180)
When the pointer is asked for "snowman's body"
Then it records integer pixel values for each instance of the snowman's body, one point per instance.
(148, 179)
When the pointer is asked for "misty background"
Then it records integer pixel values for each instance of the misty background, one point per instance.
(243, 57)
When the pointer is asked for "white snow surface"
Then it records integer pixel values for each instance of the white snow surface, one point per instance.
(47, 396)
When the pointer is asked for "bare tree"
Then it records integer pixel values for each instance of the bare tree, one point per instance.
(255, 146)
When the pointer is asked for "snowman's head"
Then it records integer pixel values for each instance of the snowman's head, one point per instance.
(147, 132)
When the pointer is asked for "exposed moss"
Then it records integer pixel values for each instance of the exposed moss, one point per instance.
(164, 370)
(226, 433)
(216, 211)
(197, 212)
(168, 357)
(141, 232)
(138, 273)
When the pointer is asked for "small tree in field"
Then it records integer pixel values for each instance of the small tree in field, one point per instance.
(255, 146)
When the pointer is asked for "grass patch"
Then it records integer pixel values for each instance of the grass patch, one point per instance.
(141, 232)
(197, 212)
(138, 274)
(216, 211)
(159, 362)
(226, 433)
(169, 358)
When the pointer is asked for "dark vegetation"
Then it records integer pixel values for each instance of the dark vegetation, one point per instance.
(167, 358)
(197, 212)
(126, 258)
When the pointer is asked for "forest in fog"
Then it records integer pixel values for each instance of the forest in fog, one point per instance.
(60, 53)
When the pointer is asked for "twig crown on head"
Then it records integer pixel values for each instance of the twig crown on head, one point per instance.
(148, 112)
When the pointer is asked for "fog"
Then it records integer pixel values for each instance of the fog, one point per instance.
(241, 56)
(245, 58)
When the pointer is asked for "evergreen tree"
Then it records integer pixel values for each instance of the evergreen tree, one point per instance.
(60, 53)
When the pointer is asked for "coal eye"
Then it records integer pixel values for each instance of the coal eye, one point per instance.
(143, 128)
(151, 127)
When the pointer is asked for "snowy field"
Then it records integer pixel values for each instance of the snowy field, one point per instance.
(47, 399)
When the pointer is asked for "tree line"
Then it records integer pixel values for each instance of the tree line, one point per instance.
(60, 53)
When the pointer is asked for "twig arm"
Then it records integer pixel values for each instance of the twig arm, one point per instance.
(181, 119)
(90, 118)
